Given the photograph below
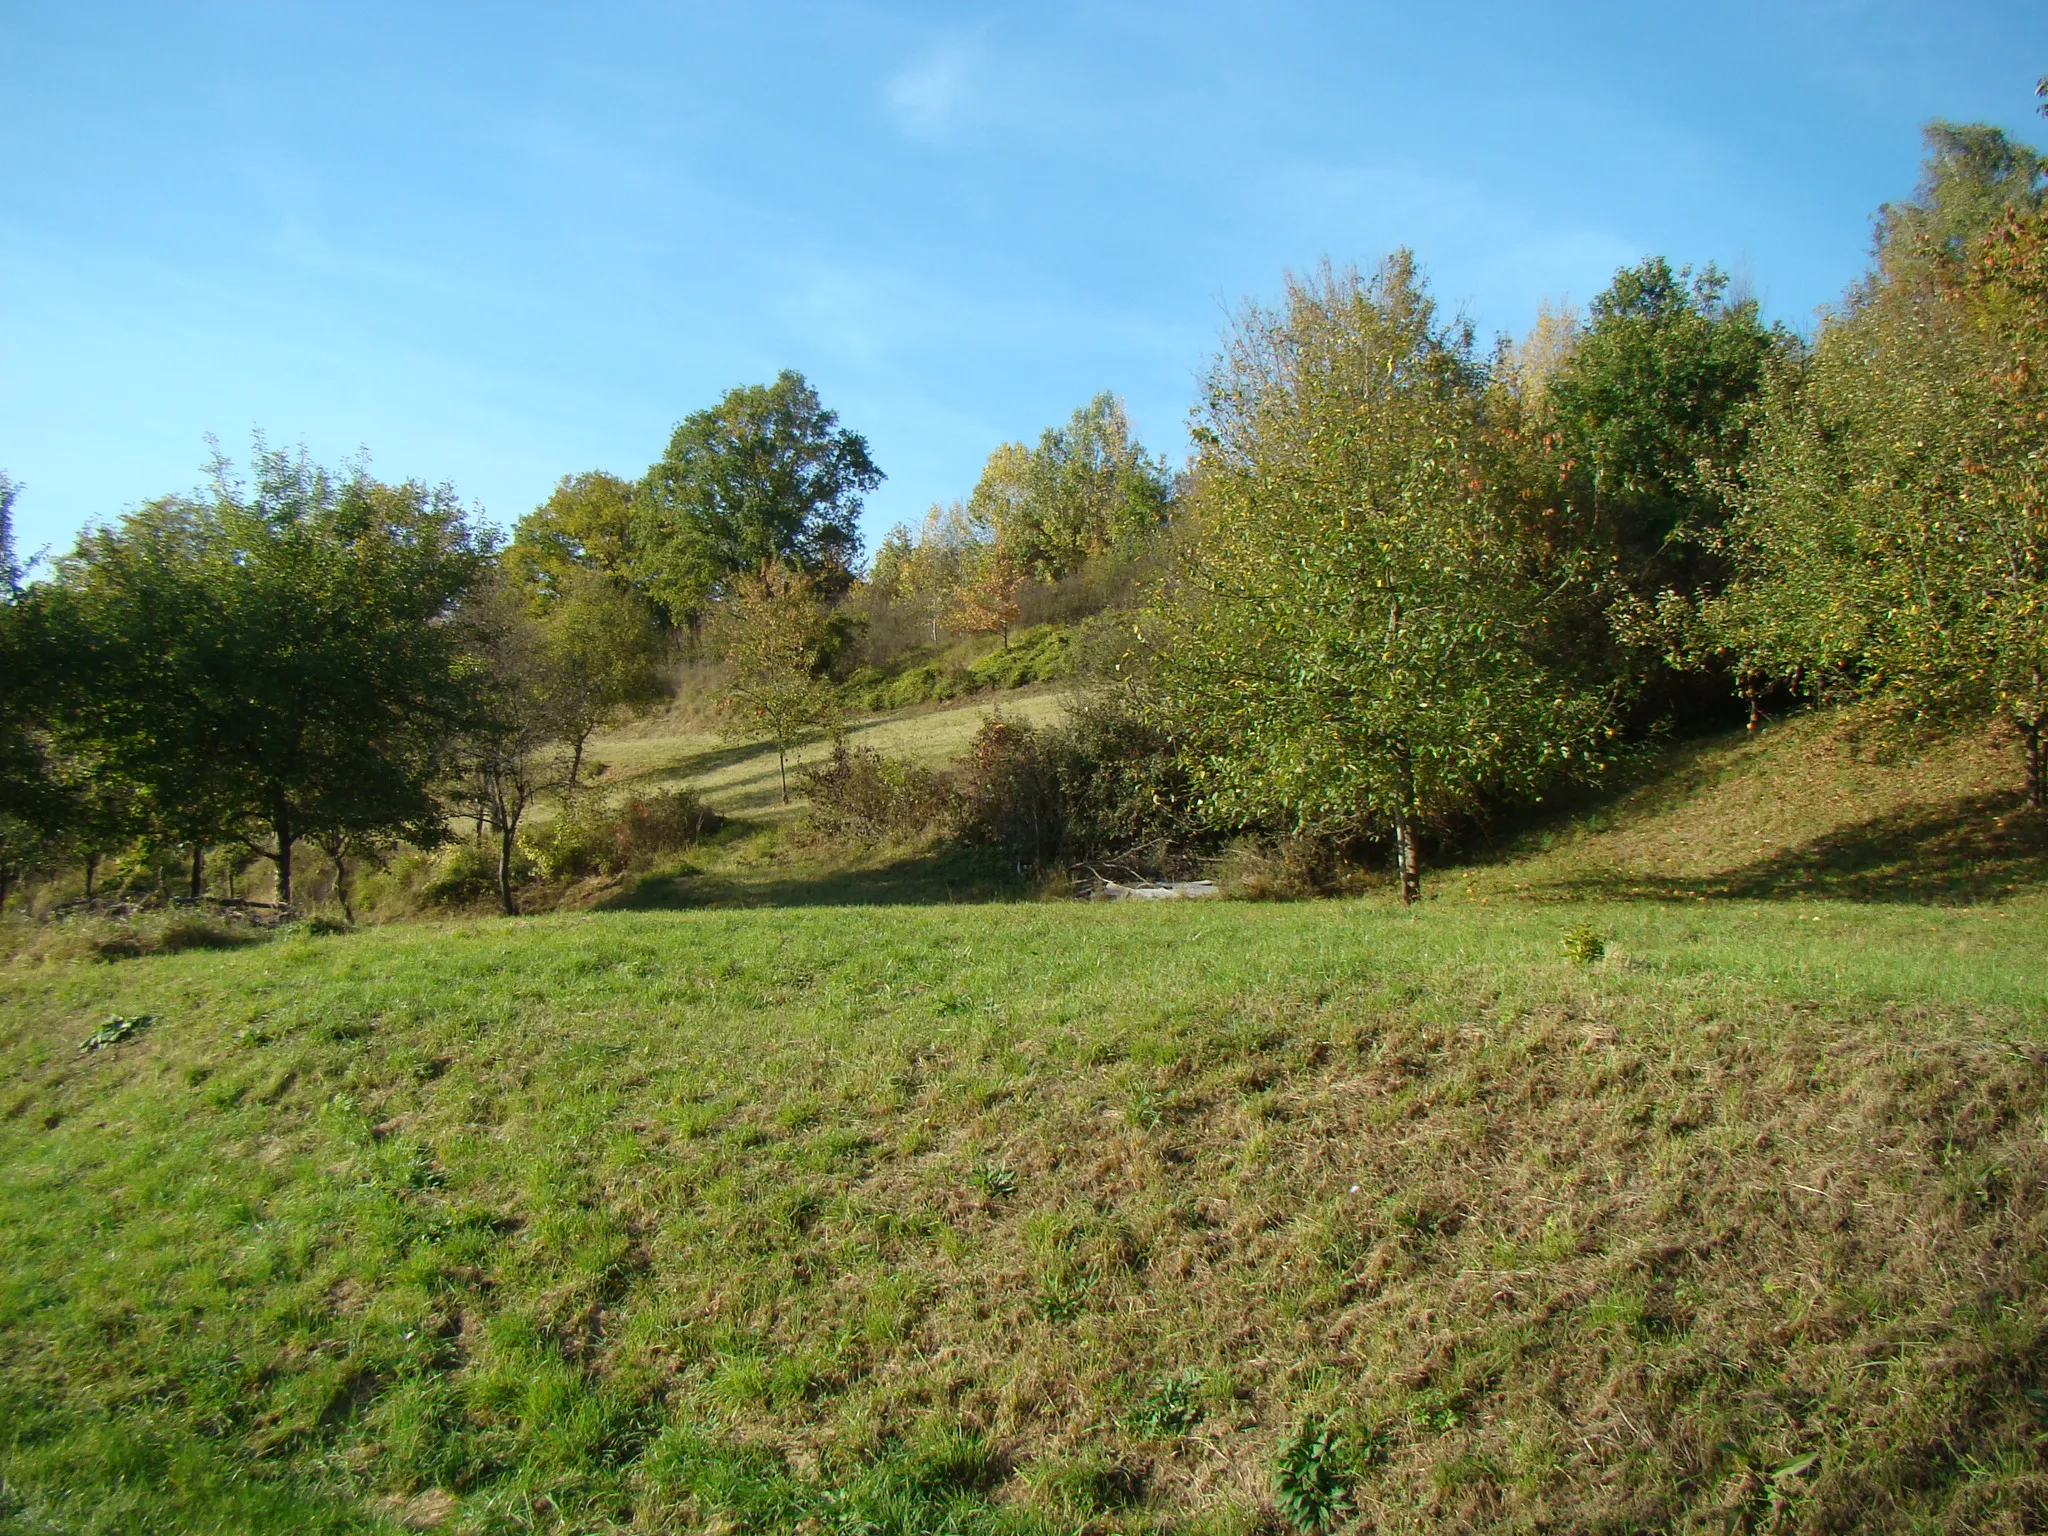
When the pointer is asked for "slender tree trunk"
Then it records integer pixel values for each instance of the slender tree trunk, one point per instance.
(283, 857)
(576, 760)
(1407, 860)
(2034, 739)
(506, 832)
(782, 764)
(92, 869)
(199, 869)
(348, 910)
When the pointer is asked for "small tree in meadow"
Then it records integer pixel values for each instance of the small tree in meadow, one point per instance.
(770, 630)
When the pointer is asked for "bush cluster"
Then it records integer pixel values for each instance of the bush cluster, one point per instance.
(859, 793)
(1106, 788)
(1040, 655)
(591, 838)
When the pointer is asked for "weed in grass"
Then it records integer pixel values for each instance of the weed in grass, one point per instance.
(1584, 944)
(1174, 1406)
(1063, 1295)
(994, 1179)
(1311, 1483)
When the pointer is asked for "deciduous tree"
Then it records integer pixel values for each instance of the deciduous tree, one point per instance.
(1364, 636)
(765, 477)
(1894, 541)
(769, 629)
(272, 656)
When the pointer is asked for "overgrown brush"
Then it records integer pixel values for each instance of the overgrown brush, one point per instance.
(859, 793)
(590, 837)
(1106, 787)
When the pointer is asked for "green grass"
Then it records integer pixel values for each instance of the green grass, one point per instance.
(1036, 1217)
(1797, 811)
(1682, 1165)
(741, 778)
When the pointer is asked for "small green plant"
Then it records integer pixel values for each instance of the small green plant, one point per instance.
(1173, 1406)
(1311, 1482)
(1584, 944)
(993, 1179)
(115, 1030)
(1062, 1295)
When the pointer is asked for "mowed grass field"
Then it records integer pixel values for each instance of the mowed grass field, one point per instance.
(1037, 1217)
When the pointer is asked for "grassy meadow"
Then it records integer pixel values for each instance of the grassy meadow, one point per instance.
(795, 1197)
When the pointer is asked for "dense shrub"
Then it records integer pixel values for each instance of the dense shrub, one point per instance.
(1042, 654)
(859, 793)
(590, 837)
(1035, 656)
(463, 874)
(1105, 788)
(1286, 869)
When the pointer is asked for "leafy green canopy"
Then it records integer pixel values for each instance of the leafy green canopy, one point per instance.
(273, 657)
(1648, 413)
(1894, 542)
(765, 476)
(585, 524)
(1087, 488)
(1365, 631)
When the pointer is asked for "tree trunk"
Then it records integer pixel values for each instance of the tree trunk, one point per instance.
(199, 868)
(576, 760)
(283, 858)
(782, 764)
(92, 868)
(2035, 739)
(1407, 861)
(285, 838)
(348, 910)
(505, 835)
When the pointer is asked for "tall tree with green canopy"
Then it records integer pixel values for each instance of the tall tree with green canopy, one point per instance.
(1972, 174)
(34, 803)
(766, 476)
(513, 747)
(1362, 640)
(770, 630)
(586, 524)
(1087, 488)
(1648, 414)
(273, 657)
(1894, 541)
(602, 656)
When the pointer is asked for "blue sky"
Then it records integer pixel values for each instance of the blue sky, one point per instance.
(494, 244)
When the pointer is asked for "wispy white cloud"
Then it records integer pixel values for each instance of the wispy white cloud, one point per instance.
(932, 96)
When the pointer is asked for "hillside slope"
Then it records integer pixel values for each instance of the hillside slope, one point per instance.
(1803, 808)
(740, 779)
(1038, 1217)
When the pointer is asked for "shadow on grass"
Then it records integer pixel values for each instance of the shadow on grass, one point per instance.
(936, 877)
(1975, 848)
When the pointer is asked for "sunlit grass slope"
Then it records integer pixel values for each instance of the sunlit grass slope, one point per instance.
(742, 779)
(1037, 1217)
(1801, 809)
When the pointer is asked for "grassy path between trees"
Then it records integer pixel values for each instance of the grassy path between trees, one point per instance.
(1037, 1217)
